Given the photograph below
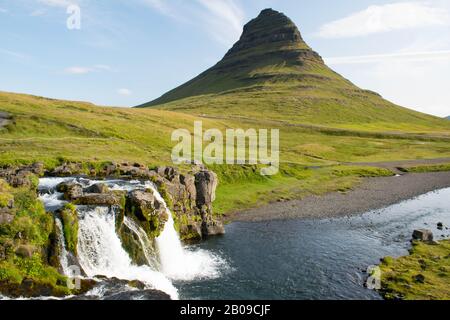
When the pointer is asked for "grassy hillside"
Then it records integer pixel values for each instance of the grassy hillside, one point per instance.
(272, 74)
(53, 131)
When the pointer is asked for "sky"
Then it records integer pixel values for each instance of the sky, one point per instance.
(125, 53)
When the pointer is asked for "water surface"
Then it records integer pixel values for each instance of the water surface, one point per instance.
(315, 259)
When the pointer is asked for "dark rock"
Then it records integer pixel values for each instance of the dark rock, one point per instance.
(143, 204)
(206, 183)
(420, 278)
(212, 228)
(167, 172)
(147, 211)
(139, 171)
(67, 169)
(97, 188)
(99, 199)
(25, 251)
(423, 235)
(71, 190)
(6, 216)
(192, 231)
(116, 289)
(440, 226)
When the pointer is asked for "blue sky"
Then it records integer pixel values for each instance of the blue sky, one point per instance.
(130, 52)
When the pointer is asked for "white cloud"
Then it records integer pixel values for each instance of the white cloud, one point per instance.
(77, 70)
(124, 92)
(401, 56)
(385, 18)
(14, 54)
(222, 19)
(57, 3)
(159, 5)
(37, 13)
(103, 67)
(225, 19)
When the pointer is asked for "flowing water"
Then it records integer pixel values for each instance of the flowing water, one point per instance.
(100, 251)
(316, 259)
(295, 259)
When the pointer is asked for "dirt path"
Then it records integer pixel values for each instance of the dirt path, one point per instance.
(373, 193)
(394, 165)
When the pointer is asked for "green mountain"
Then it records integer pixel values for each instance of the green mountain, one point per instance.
(272, 74)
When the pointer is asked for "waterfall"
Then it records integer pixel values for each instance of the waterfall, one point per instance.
(64, 261)
(179, 263)
(100, 252)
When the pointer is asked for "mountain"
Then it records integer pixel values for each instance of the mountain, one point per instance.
(448, 118)
(272, 74)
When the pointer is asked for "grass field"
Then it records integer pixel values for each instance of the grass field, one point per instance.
(53, 131)
(423, 275)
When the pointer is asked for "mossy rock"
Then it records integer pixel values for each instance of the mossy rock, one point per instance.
(69, 218)
(132, 246)
(6, 196)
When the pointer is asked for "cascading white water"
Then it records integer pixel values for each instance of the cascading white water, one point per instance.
(63, 259)
(179, 263)
(100, 252)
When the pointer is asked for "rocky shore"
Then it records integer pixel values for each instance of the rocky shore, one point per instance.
(371, 194)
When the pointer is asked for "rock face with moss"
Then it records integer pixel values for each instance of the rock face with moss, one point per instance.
(25, 233)
(190, 196)
(143, 207)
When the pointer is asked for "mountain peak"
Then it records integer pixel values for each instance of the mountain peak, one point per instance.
(271, 31)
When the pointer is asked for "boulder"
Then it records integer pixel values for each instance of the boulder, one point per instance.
(25, 251)
(67, 169)
(191, 231)
(71, 190)
(143, 204)
(206, 183)
(146, 211)
(168, 173)
(97, 188)
(212, 228)
(423, 235)
(99, 199)
(6, 216)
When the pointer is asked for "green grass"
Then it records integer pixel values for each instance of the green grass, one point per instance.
(31, 228)
(243, 188)
(69, 219)
(402, 278)
(55, 131)
(429, 168)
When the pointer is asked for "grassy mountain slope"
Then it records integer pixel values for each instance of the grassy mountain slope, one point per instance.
(272, 74)
(53, 131)
(46, 130)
